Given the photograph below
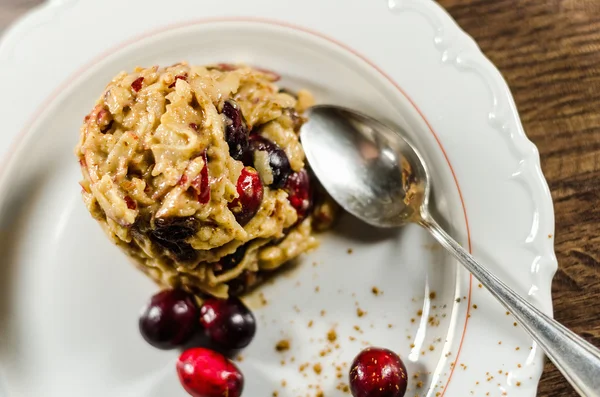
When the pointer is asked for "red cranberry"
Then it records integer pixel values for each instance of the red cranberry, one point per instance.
(299, 192)
(228, 322)
(250, 191)
(206, 373)
(278, 161)
(378, 372)
(169, 319)
(137, 84)
(200, 183)
(236, 129)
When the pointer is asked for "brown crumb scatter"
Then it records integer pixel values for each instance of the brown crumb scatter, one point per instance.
(412, 345)
(518, 365)
(419, 312)
(239, 358)
(320, 394)
(412, 320)
(457, 300)
(480, 286)
(283, 345)
(514, 324)
(351, 338)
(263, 300)
(499, 342)
(349, 251)
(282, 362)
(275, 393)
(292, 359)
(317, 368)
(302, 367)
(508, 313)
(323, 313)
(390, 325)
(432, 295)
(332, 335)
(375, 291)
(431, 348)
(317, 289)
(310, 323)
(474, 306)
(296, 309)
(283, 383)
(419, 384)
(360, 312)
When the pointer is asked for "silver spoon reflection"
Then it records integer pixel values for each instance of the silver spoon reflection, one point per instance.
(377, 176)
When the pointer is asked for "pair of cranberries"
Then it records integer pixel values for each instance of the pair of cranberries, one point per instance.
(171, 319)
(242, 146)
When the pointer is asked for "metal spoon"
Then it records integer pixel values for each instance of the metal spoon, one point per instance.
(377, 176)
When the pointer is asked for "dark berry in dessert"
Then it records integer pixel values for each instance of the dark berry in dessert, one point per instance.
(170, 233)
(278, 161)
(299, 192)
(230, 261)
(236, 129)
(250, 191)
(228, 322)
(377, 372)
(206, 373)
(170, 319)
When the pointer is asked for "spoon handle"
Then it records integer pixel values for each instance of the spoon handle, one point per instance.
(578, 360)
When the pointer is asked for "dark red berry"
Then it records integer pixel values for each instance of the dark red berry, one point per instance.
(171, 234)
(228, 322)
(299, 192)
(230, 261)
(236, 129)
(169, 319)
(278, 160)
(378, 372)
(200, 183)
(206, 373)
(250, 191)
(137, 84)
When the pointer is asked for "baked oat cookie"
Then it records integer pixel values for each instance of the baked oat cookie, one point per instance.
(197, 173)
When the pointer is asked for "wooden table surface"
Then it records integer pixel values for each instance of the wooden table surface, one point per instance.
(549, 52)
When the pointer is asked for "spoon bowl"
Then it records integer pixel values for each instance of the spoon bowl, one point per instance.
(367, 167)
(373, 172)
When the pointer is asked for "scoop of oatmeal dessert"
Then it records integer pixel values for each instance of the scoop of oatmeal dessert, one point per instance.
(198, 174)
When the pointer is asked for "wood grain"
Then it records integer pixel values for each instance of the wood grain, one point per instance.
(549, 52)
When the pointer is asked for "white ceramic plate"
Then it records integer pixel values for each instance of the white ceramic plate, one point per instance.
(70, 300)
